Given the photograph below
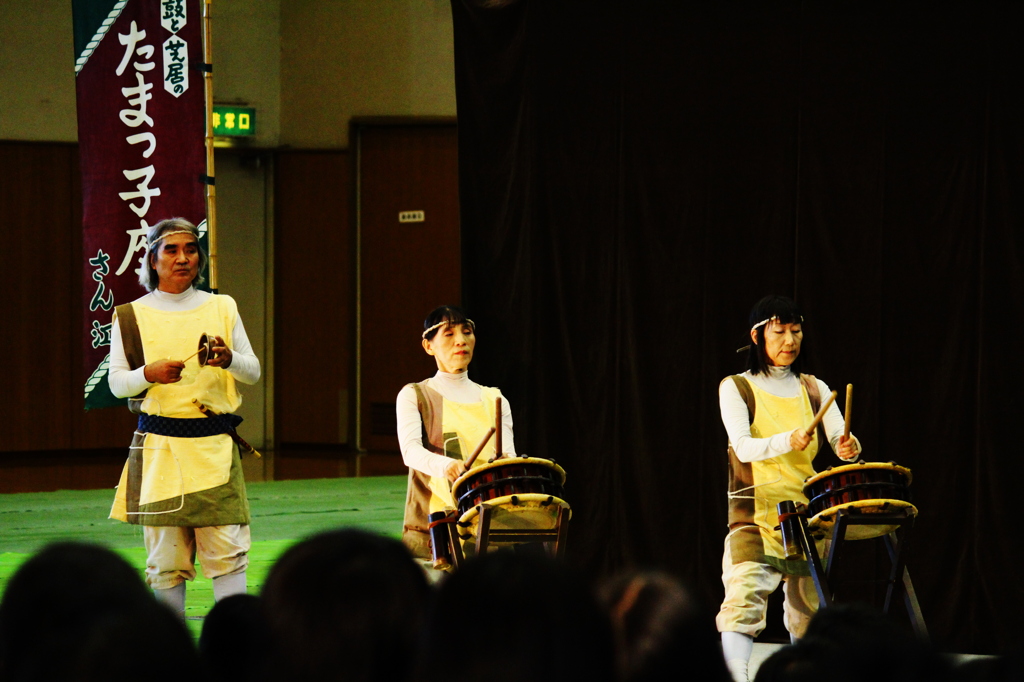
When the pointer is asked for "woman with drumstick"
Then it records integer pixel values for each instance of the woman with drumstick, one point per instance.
(444, 419)
(766, 412)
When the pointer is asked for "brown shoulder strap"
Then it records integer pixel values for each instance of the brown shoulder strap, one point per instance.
(743, 386)
(811, 385)
(429, 402)
(417, 496)
(131, 339)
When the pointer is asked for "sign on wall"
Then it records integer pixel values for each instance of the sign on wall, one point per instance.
(233, 121)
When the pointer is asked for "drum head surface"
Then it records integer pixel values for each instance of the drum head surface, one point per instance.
(528, 511)
(858, 467)
(825, 520)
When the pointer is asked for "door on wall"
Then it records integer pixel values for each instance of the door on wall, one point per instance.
(313, 314)
(408, 260)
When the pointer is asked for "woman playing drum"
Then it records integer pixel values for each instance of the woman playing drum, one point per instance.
(766, 411)
(442, 420)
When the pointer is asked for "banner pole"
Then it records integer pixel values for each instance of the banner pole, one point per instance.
(211, 189)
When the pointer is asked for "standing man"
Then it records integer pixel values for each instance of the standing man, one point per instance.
(183, 480)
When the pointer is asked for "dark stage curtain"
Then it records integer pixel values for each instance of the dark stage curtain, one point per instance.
(634, 175)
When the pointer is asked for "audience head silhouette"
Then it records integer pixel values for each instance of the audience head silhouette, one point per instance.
(513, 616)
(344, 605)
(80, 612)
(660, 629)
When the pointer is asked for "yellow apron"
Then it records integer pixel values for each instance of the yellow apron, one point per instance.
(770, 481)
(463, 426)
(184, 481)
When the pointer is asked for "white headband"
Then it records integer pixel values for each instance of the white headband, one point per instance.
(773, 317)
(442, 323)
(173, 232)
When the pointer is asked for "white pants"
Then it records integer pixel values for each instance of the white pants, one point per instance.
(747, 587)
(172, 550)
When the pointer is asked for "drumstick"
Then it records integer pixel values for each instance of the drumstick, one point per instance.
(479, 448)
(849, 411)
(193, 355)
(821, 414)
(497, 427)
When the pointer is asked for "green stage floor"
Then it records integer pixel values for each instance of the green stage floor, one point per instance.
(282, 513)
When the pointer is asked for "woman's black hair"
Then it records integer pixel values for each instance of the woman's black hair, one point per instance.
(785, 311)
(453, 315)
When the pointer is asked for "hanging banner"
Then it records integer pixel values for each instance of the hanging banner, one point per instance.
(141, 125)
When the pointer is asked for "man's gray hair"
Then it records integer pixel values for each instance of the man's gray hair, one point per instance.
(147, 274)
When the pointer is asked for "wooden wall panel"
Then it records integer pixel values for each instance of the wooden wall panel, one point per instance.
(313, 299)
(35, 200)
(49, 470)
(49, 442)
(40, 200)
(407, 269)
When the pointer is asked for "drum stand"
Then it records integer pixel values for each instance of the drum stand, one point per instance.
(503, 537)
(899, 577)
(487, 537)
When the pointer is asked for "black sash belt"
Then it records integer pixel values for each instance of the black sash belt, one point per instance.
(188, 428)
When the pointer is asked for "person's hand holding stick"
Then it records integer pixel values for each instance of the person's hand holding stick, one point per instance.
(459, 467)
(801, 438)
(848, 447)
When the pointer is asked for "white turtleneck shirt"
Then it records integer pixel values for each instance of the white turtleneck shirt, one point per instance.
(458, 388)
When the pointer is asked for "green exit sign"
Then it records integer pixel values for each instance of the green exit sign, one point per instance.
(233, 121)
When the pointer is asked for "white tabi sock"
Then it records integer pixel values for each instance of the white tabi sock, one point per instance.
(736, 647)
(227, 585)
(174, 598)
